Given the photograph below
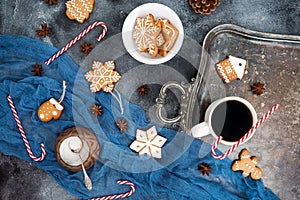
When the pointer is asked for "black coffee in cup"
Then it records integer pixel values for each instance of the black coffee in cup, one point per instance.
(231, 119)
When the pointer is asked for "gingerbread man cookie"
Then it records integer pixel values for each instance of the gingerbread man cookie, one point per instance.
(49, 110)
(247, 164)
(79, 9)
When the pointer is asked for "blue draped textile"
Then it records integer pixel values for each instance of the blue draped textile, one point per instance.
(175, 176)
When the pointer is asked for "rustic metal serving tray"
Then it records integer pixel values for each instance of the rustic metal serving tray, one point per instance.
(273, 60)
(265, 53)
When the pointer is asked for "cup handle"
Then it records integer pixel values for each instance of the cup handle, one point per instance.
(200, 130)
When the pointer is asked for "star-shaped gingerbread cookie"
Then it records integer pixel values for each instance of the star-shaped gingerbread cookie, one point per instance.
(247, 164)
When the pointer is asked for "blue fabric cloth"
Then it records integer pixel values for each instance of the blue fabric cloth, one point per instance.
(175, 176)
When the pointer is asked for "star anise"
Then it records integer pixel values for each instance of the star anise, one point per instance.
(204, 168)
(50, 2)
(122, 124)
(43, 32)
(257, 88)
(86, 48)
(142, 90)
(96, 110)
(37, 69)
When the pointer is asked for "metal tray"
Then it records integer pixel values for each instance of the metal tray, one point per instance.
(268, 57)
(274, 60)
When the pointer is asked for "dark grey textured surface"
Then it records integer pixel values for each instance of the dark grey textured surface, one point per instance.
(21, 180)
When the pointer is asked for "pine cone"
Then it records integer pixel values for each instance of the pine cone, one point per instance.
(204, 6)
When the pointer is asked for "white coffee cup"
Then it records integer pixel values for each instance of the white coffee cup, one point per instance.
(206, 127)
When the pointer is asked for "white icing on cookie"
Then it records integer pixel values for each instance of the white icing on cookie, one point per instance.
(239, 66)
(145, 33)
(79, 9)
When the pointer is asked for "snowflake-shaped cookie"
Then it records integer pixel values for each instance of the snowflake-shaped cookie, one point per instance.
(145, 33)
(148, 142)
(102, 76)
(79, 9)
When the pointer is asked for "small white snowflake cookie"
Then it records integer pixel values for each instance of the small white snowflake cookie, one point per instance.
(148, 142)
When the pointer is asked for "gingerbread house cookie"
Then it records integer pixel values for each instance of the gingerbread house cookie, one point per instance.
(231, 68)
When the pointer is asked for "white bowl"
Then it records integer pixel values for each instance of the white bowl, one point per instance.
(71, 158)
(158, 11)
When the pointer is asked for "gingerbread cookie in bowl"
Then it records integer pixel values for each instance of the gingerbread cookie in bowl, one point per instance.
(154, 36)
(133, 32)
(160, 40)
(146, 30)
(170, 34)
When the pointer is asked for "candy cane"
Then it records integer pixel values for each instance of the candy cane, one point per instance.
(71, 43)
(247, 135)
(118, 196)
(23, 134)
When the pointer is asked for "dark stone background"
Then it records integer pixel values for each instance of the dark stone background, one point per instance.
(22, 180)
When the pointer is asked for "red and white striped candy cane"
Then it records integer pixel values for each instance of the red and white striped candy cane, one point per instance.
(119, 196)
(247, 135)
(23, 134)
(71, 43)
